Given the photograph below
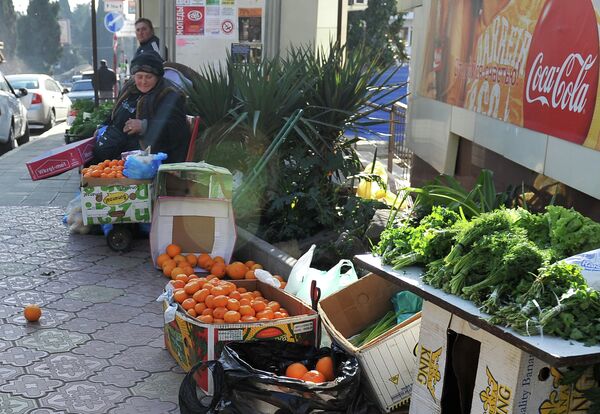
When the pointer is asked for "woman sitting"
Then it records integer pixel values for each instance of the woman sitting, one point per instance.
(149, 112)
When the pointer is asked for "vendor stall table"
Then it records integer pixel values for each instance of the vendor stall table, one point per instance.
(552, 350)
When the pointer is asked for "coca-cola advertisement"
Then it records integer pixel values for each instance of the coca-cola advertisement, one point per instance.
(532, 63)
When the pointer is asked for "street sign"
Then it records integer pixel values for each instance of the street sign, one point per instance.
(114, 22)
(113, 6)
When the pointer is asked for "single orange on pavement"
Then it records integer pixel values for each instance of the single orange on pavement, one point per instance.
(32, 313)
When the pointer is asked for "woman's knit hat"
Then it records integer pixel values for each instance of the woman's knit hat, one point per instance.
(149, 62)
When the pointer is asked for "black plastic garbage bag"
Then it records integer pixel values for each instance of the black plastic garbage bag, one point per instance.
(246, 381)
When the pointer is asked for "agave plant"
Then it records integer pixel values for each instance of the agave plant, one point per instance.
(244, 108)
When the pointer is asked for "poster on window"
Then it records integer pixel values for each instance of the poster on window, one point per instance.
(532, 63)
(250, 24)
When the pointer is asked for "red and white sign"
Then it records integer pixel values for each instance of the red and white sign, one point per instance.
(561, 76)
(189, 20)
(227, 26)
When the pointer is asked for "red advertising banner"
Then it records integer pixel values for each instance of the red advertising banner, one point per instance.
(532, 63)
(189, 20)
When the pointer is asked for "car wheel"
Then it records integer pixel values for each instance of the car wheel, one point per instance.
(25, 138)
(51, 120)
(10, 144)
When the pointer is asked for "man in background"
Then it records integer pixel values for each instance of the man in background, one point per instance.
(106, 81)
(149, 42)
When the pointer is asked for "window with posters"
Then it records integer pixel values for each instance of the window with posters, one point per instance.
(532, 63)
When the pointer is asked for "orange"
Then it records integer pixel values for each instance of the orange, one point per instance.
(220, 301)
(205, 318)
(218, 290)
(173, 250)
(219, 259)
(183, 278)
(189, 303)
(209, 301)
(250, 275)
(250, 263)
(203, 260)
(168, 269)
(191, 259)
(230, 287)
(218, 269)
(274, 305)
(219, 321)
(296, 370)
(241, 290)
(247, 310)
(258, 305)
(207, 311)
(187, 269)
(176, 271)
(278, 315)
(257, 294)
(231, 317)
(256, 266)
(192, 287)
(161, 259)
(313, 376)
(248, 318)
(233, 304)
(32, 312)
(201, 295)
(199, 308)
(177, 284)
(265, 314)
(236, 270)
(325, 366)
(192, 312)
(245, 301)
(219, 312)
(235, 295)
(179, 295)
(169, 262)
(179, 258)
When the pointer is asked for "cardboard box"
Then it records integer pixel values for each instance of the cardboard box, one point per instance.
(194, 179)
(388, 361)
(190, 341)
(498, 377)
(116, 200)
(61, 159)
(198, 225)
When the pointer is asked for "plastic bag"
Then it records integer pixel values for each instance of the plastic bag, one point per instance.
(302, 275)
(74, 217)
(143, 167)
(406, 304)
(590, 266)
(245, 382)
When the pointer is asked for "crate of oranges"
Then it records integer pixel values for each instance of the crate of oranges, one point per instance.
(108, 196)
(212, 312)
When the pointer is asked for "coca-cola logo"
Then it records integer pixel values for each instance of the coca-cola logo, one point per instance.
(561, 76)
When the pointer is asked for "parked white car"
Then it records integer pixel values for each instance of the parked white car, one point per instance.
(14, 128)
(47, 102)
(82, 89)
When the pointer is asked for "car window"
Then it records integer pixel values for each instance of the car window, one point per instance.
(25, 83)
(82, 86)
(51, 85)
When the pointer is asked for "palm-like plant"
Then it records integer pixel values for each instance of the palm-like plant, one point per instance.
(244, 107)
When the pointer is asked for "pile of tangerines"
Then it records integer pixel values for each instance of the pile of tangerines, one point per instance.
(322, 372)
(173, 263)
(105, 169)
(211, 299)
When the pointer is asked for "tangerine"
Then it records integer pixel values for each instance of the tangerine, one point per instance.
(250, 263)
(325, 366)
(173, 250)
(250, 275)
(218, 269)
(247, 310)
(219, 312)
(189, 303)
(236, 270)
(206, 318)
(179, 259)
(192, 312)
(296, 370)
(199, 307)
(313, 376)
(192, 287)
(233, 304)
(203, 260)
(161, 259)
(179, 295)
(231, 316)
(32, 312)
(248, 318)
(201, 295)
(177, 284)
(191, 259)
(220, 301)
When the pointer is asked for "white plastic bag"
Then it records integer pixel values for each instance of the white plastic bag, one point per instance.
(590, 266)
(328, 282)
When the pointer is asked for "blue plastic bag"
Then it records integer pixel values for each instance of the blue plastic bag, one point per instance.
(143, 167)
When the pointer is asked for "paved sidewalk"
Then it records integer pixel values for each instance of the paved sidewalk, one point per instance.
(98, 347)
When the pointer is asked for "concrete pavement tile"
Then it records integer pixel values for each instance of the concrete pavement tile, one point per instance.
(62, 253)
(145, 358)
(20, 282)
(69, 305)
(158, 342)
(83, 325)
(119, 376)
(8, 372)
(119, 283)
(67, 367)
(148, 319)
(93, 293)
(22, 356)
(164, 385)
(8, 257)
(82, 278)
(4, 345)
(15, 269)
(33, 260)
(136, 405)
(45, 272)
(53, 340)
(50, 318)
(110, 312)
(30, 386)
(84, 397)
(68, 264)
(8, 310)
(100, 349)
(45, 410)
(121, 262)
(26, 297)
(134, 300)
(126, 334)
(10, 404)
(11, 332)
(56, 286)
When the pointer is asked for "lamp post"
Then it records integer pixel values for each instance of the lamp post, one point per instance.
(94, 53)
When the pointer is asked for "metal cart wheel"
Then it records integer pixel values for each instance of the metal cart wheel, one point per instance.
(119, 238)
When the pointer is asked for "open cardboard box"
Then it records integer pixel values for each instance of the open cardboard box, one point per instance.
(197, 225)
(463, 368)
(115, 200)
(190, 341)
(388, 361)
